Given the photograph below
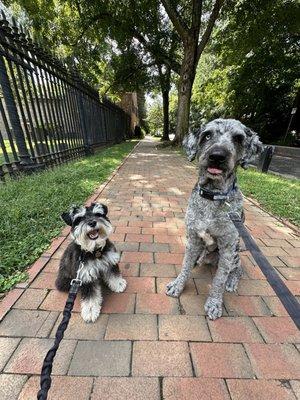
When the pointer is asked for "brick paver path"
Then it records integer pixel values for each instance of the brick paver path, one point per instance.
(145, 345)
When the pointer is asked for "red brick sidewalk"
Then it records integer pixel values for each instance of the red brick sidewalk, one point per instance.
(146, 345)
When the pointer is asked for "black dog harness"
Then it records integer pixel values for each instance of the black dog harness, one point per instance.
(284, 294)
(45, 381)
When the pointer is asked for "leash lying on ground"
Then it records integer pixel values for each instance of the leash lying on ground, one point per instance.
(288, 300)
(45, 381)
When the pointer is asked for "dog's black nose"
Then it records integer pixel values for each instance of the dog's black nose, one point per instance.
(217, 156)
(92, 224)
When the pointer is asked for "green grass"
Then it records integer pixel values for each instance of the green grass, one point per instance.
(31, 207)
(10, 153)
(280, 196)
(8, 150)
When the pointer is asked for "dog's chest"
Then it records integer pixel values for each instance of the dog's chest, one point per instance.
(92, 270)
(209, 241)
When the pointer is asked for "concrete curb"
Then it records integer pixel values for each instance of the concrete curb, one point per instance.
(281, 220)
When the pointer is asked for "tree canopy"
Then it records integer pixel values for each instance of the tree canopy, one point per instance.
(251, 69)
(247, 51)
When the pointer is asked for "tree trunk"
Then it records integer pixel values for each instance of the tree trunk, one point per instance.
(165, 96)
(187, 76)
(165, 84)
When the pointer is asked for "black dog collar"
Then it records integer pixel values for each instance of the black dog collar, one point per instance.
(87, 254)
(211, 195)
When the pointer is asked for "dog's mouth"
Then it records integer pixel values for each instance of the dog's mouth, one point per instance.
(215, 171)
(94, 234)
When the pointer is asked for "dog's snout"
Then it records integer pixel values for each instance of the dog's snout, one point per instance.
(92, 224)
(217, 156)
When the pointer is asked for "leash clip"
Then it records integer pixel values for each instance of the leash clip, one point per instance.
(75, 285)
(76, 281)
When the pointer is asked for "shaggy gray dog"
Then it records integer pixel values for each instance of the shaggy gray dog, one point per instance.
(93, 255)
(221, 146)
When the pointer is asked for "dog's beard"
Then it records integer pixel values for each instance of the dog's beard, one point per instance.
(90, 239)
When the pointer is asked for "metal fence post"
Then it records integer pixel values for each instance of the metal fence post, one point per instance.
(50, 114)
(86, 137)
(13, 115)
(265, 158)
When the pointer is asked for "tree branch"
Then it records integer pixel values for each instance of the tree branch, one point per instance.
(129, 75)
(87, 26)
(177, 21)
(157, 52)
(211, 22)
(196, 15)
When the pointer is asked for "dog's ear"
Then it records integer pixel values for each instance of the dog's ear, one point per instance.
(191, 143)
(68, 216)
(253, 147)
(102, 208)
(105, 209)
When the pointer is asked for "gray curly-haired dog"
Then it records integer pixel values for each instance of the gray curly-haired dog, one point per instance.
(221, 146)
(93, 255)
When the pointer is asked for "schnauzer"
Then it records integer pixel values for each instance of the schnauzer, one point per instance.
(94, 254)
(221, 145)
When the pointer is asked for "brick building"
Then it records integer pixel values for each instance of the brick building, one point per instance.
(129, 103)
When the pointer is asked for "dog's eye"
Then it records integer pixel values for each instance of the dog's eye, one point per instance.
(238, 139)
(206, 137)
(98, 215)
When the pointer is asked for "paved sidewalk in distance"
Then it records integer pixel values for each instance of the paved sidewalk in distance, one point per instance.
(145, 345)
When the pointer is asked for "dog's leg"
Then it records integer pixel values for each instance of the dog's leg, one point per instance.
(227, 252)
(233, 279)
(193, 250)
(114, 280)
(62, 282)
(234, 275)
(91, 301)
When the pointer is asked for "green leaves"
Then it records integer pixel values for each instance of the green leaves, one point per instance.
(250, 71)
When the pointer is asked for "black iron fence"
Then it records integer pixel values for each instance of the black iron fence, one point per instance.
(48, 114)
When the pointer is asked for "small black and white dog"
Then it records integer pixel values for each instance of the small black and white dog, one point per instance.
(94, 253)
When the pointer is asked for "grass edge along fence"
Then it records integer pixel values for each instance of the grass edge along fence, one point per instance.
(49, 115)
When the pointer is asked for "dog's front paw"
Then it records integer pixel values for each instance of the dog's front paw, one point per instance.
(174, 288)
(117, 285)
(90, 311)
(213, 308)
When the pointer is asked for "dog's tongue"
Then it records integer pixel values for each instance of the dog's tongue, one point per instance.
(93, 234)
(214, 171)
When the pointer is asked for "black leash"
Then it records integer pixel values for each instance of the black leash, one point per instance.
(284, 294)
(45, 381)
